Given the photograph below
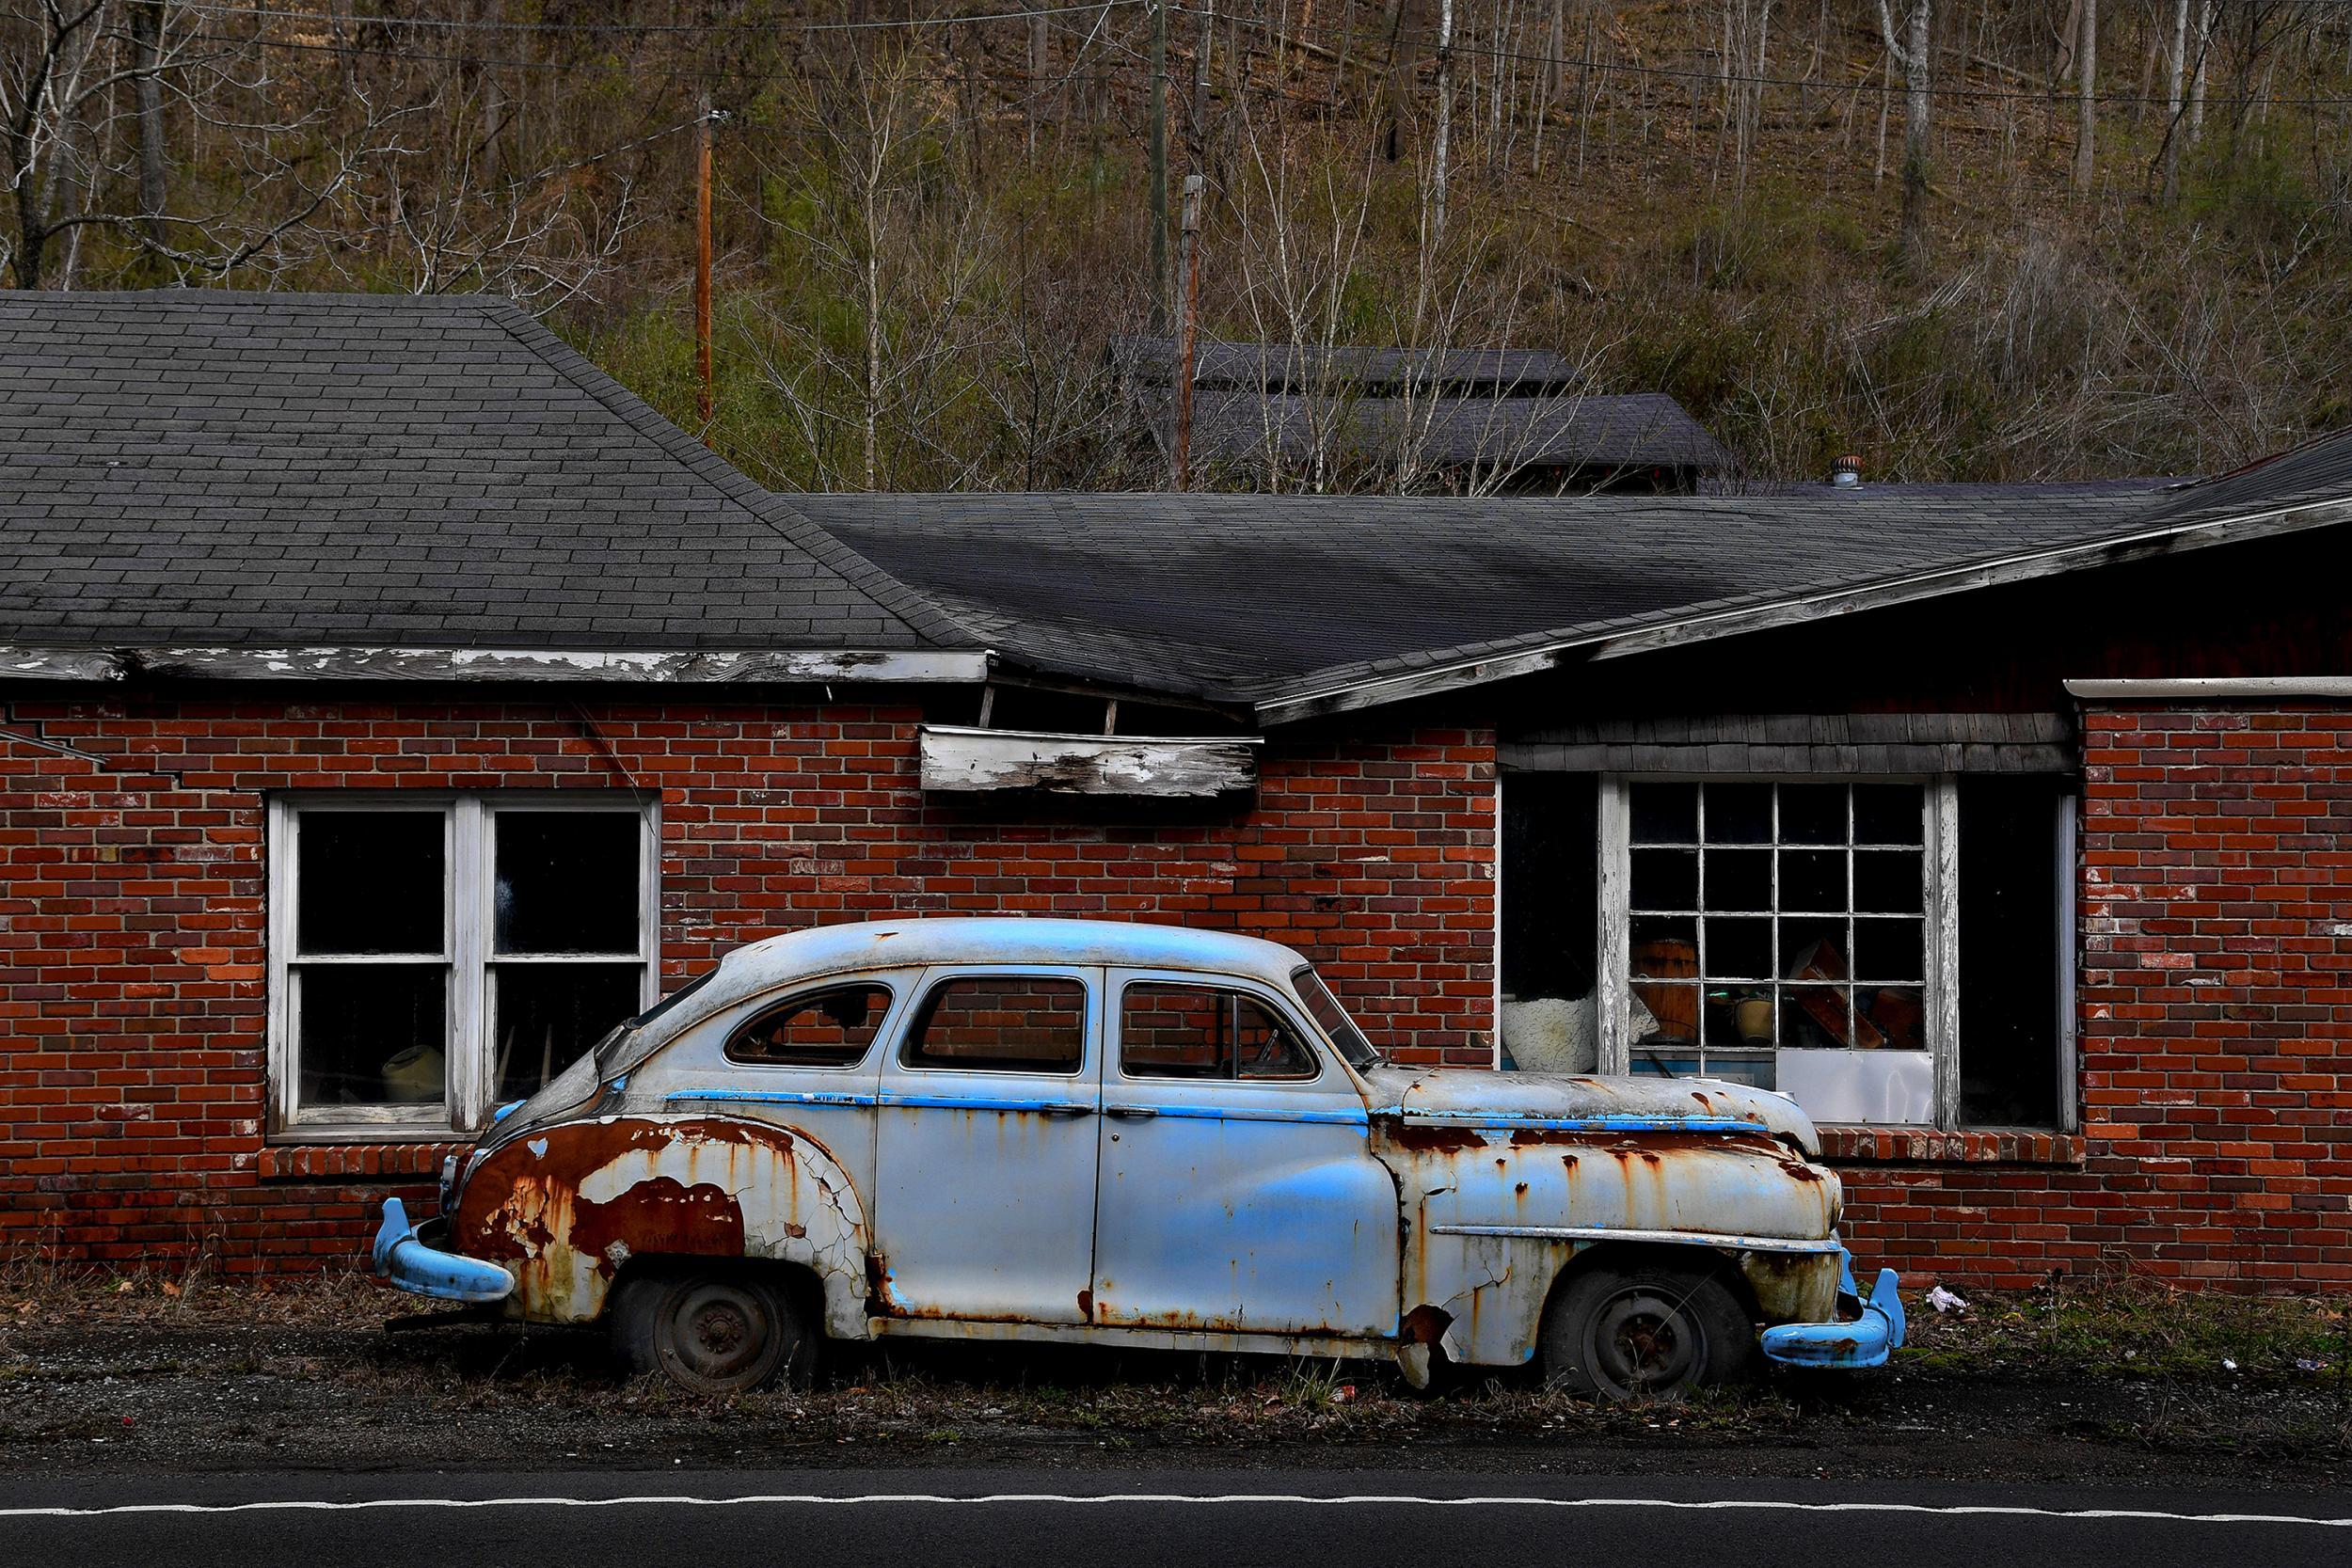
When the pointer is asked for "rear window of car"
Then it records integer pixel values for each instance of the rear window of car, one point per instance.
(830, 1028)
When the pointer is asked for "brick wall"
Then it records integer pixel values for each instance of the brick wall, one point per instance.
(132, 969)
(2215, 1031)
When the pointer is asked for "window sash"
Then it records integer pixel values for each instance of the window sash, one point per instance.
(1939, 896)
(469, 893)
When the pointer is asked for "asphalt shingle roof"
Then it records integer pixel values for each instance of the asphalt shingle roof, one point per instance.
(1636, 431)
(1315, 367)
(1253, 597)
(223, 469)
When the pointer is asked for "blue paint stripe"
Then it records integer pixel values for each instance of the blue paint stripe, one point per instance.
(975, 1103)
(767, 1097)
(1219, 1113)
(1488, 1121)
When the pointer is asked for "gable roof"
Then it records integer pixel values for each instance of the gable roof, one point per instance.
(213, 470)
(1300, 605)
(1312, 367)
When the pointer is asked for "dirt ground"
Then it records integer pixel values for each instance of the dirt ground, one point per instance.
(2120, 1385)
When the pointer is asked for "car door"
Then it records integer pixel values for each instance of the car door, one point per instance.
(985, 1147)
(1238, 1190)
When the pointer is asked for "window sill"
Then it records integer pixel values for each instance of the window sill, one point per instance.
(1930, 1146)
(378, 1158)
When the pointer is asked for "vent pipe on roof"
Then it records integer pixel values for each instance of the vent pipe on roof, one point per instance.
(1847, 473)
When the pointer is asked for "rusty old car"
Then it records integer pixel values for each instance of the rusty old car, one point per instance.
(1127, 1134)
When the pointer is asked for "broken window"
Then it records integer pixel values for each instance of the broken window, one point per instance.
(1001, 1023)
(431, 958)
(1178, 1031)
(830, 1028)
(1883, 951)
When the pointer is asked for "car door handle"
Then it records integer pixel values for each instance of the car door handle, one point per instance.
(1067, 1110)
(1130, 1113)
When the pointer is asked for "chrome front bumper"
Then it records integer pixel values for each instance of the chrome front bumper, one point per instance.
(403, 1261)
(1864, 1339)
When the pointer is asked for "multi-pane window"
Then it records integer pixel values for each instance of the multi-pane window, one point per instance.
(1781, 934)
(433, 958)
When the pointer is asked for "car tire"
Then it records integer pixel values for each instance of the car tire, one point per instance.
(1644, 1331)
(714, 1333)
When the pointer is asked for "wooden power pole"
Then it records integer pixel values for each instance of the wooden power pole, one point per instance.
(703, 399)
(1187, 336)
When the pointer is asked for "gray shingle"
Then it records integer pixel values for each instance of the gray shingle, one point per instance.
(189, 465)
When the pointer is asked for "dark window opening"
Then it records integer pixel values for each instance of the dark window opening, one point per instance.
(1550, 921)
(830, 1028)
(2008, 951)
(370, 881)
(550, 1014)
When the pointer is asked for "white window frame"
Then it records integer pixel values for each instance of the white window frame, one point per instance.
(1940, 896)
(466, 952)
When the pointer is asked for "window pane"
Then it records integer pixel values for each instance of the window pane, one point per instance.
(1002, 1023)
(548, 1014)
(1665, 879)
(369, 881)
(1888, 814)
(1739, 949)
(1739, 813)
(1886, 881)
(1813, 881)
(1813, 814)
(1739, 1016)
(1169, 1031)
(828, 1028)
(1666, 1017)
(1739, 879)
(1898, 1013)
(567, 881)
(1814, 1016)
(1813, 950)
(1889, 950)
(373, 1035)
(1665, 813)
(1667, 947)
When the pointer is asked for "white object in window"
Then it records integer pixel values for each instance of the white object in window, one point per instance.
(1796, 935)
(431, 957)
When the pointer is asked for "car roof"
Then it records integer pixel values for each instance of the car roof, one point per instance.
(896, 943)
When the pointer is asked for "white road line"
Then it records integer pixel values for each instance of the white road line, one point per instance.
(1374, 1499)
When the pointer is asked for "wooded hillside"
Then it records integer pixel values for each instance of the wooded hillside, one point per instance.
(1968, 238)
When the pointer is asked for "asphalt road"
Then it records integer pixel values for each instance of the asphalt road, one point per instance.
(1288, 1518)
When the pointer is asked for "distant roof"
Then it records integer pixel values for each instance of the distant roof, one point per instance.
(235, 469)
(1312, 368)
(1636, 431)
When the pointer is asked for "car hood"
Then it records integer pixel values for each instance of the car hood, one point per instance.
(1463, 1097)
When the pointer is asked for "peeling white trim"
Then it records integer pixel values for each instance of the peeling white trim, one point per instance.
(2260, 689)
(648, 666)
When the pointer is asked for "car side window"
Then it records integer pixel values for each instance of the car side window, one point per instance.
(833, 1027)
(1001, 1023)
(1177, 1031)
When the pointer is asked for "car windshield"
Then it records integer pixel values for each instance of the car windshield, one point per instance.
(1332, 1018)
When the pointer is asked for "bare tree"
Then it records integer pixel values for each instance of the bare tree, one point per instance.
(2086, 88)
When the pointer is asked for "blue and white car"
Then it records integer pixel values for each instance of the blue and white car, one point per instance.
(1120, 1134)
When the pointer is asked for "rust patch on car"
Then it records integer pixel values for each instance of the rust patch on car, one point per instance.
(1086, 1306)
(1430, 1138)
(660, 1215)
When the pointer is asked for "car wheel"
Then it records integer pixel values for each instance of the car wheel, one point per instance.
(714, 1334)
(1644, 1331)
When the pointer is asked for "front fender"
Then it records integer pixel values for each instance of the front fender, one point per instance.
(565, 1209)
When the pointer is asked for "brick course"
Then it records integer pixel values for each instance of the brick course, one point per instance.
(132, 968)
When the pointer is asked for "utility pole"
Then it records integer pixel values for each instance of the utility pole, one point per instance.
(1159, 167)
(702, 401)
(1187, 338)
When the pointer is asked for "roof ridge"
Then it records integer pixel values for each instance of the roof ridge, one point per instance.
(909, 606)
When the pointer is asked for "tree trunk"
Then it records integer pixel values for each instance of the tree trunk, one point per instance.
(2087, 63)
(1916, 55)
(2197, 84)
(147, 52)
(2173, 73)
(1445, 106)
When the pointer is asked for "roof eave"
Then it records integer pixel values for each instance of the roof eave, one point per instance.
(639, 666)
(1457, 675)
